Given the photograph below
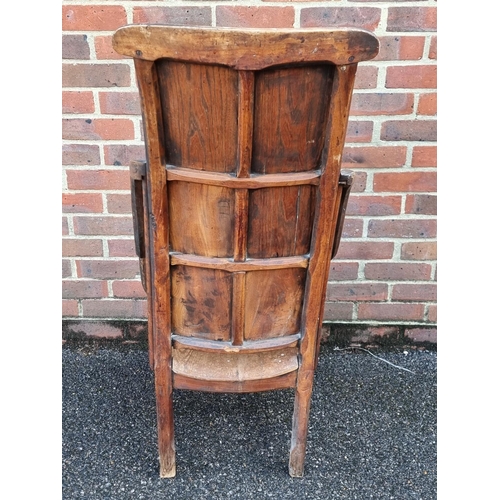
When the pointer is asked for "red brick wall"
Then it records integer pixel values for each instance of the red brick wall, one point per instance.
(385, 271)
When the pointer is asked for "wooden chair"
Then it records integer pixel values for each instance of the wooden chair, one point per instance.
(239, 206)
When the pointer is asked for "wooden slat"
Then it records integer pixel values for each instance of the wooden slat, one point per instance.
(249, 49)
(268, 344)
(246, 80)
(253, 182)
(178, 259)
(238, 308)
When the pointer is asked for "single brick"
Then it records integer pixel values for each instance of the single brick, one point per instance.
(425, 204)
(412, 19)
(409, 130)
(119, 203)
(424, 156)
(81, 248)
(325, 17)
(65, 228)
(366, 77)
(374, 157)
(66, 268)
(115, 308)
(121, 248)
(80, 154)
(381, 104)
(237, 16)
(104, 48)
(390, 311)
(356, 292)
(414, 292)
(405, 182)
(411, 77)
(120, 103)
(359, 182)
(427, 104)
(95, 75)
(365, 250)
(82, 202)
(127, 289)
(405, 228)
(432, 313)
(107, 225)
(173, 16)
(343, 271)
(108, 269)
(99, 129)
(373, 205)
(433, 48)
(77, 102)
(93, 330)
(397, 271)
(419, 250)
(69, 308)
(422, 334)
(338, 311)
(98, 179)
(93, 17)
(84, 289)
(121, 154)
(75, 47)
(400, 48)
(359, 131)
(353, 228)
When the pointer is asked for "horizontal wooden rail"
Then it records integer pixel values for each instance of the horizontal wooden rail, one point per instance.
(249, 346)
(225, 264)
(253, 182)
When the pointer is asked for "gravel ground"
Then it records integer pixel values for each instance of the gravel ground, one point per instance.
(372, 432)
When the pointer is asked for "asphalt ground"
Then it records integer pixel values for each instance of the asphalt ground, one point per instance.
(372, 431)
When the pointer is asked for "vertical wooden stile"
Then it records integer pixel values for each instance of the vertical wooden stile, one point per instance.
(317, 273)
(245, 129)
(159, 261)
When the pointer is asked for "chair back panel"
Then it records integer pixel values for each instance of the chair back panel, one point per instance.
(250, 141)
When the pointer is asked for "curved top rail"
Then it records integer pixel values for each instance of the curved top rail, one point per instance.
(246, 49)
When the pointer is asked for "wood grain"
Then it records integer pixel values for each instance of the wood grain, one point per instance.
(201, 302)
(200, 110)
(246, 49)
(204, 227)
(230, 368)
(290, 118)
(273, 303)
(280, 221)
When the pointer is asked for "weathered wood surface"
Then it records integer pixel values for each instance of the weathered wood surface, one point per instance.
(243, 208)
(248, 49)
(231, 367)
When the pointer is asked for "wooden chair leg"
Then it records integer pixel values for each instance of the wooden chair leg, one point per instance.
(300, 423)
(165, 413)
